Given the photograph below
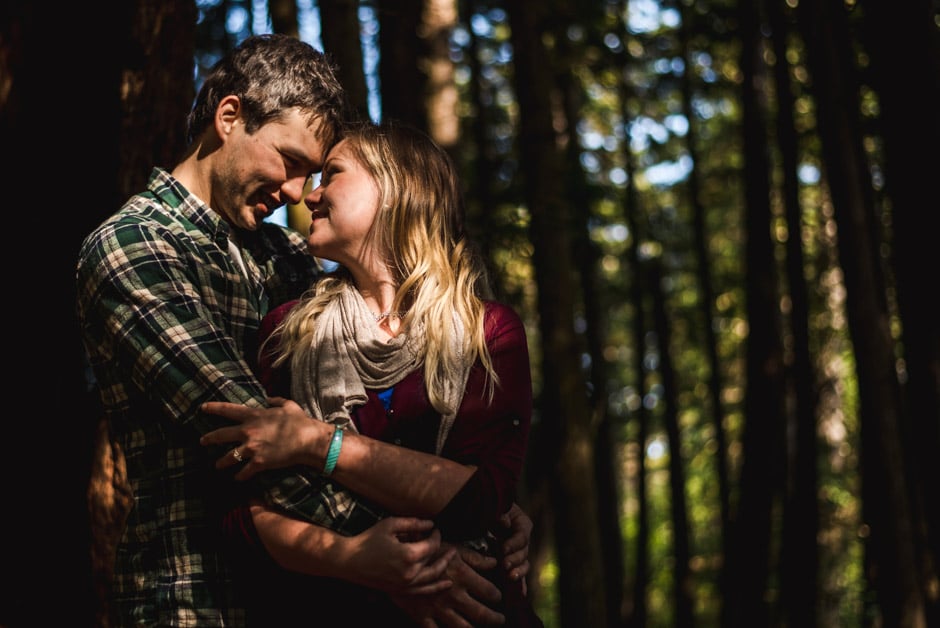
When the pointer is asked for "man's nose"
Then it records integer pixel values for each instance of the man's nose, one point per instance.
(293, 189)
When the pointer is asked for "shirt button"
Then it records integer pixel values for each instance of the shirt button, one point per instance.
(515, 422)
(397, 441)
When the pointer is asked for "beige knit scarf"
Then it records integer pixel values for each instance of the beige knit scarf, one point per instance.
(348, 356)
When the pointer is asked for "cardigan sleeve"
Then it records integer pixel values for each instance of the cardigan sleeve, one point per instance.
(491, 434)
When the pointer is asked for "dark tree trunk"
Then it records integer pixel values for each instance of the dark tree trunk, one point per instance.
(157, 90)
(340, 30)
(799, 556)
(564, 406)
(636, 605)
(403, 82)
(909, 110)
(476, 158)
(892, 568)
(63, 163)
(142, 93)
(586, 256)
(635, 602)
(683, 586)
(707, 302)
(749, 560)
(284, 17)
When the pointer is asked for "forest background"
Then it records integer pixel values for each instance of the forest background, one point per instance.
(717, 217)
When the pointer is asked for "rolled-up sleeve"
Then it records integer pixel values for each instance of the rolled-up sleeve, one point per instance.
(492, 435)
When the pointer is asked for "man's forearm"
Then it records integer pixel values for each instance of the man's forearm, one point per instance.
(299, 546)
(396, 555)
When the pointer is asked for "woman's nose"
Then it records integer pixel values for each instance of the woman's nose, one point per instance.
(313, 197)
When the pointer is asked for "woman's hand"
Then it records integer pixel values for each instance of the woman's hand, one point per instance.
(516, 546)
(280, 435)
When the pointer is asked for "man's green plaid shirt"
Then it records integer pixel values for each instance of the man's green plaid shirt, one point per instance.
(169, 321)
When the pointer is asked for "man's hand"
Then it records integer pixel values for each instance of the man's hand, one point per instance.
(465, 603)
(398, 555)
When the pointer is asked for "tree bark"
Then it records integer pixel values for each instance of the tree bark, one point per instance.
(403, 80)
(908, 110)
(284, 17)
(563, 403)
(683, 587)
(800, 556)
(892, 568)
(749, 560)
(340, 28)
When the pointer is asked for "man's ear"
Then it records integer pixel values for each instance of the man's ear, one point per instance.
(227, 115)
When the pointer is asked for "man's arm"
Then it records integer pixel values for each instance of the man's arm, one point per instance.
(463, 605)
(397, 555)
(466, 602)
(436, 584)
(167, 317)
(153, 325)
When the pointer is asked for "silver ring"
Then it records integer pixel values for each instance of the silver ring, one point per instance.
(237, 454)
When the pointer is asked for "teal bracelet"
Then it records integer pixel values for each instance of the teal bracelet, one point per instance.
(336, 443)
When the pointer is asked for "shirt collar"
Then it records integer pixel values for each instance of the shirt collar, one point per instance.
(171, 192)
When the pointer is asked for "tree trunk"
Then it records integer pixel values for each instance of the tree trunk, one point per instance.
(563, 403)
(284, 17)
(595, 305)
(475, 157)
(707, 301)
(156, 91)
(340, 30)
(437, 23)
(749, 560)
(683, 588)
(886, 506)
(50, 68)
(637, 608)
(403, 79)
(908, 110)
(799, 556)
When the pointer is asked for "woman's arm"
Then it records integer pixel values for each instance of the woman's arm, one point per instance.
(492, 435)
(491, 432)
(282, 435)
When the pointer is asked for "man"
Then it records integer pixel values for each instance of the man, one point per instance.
(171, 290)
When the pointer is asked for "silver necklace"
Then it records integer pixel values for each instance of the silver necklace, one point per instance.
(388, 314)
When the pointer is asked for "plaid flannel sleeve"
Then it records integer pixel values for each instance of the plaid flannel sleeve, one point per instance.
(305, 494)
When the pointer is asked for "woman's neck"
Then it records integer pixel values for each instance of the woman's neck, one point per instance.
(378, 291)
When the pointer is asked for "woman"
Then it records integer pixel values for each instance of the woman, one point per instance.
(398, 344)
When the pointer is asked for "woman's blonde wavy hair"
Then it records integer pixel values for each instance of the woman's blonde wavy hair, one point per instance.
(419, 228)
